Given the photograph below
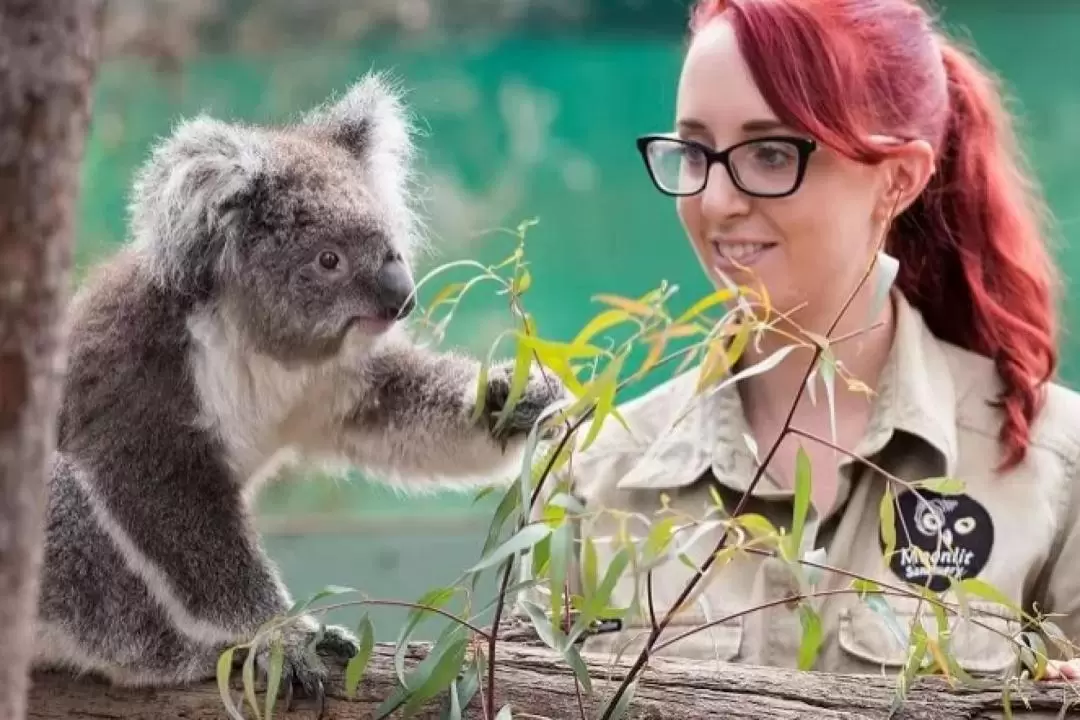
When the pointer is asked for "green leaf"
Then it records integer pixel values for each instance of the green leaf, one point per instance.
(594, 604)
(560, 559)
(983, 589)
(1034, 655)
(718, 297)
(659, 537)
(915, 659)
(828, 379)
(510, 502)
(463, 690)
(522, 283)
(273, 678)
(589, 570)
(248, 675)
(518, 380)
(599, 323)
(608, 385)
(300, 606)
(434, 598)
(569, 502)
(943, 485)
(542, 624)
(887, 522)
(438, 675)
(802, 503)
(522, 540)
(354, 671)
(810, 644)
(224, 674)
(624, 702)
(864, 586)
(480, 401)
(758, 368)
(757, 524)
(505, 713)
(581, 671)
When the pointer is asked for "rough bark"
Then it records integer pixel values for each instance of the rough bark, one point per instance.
(537, 683)
(48, 51)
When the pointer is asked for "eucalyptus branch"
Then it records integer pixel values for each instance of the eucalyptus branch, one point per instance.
(647, 649)
(894, 590)
(398, 603)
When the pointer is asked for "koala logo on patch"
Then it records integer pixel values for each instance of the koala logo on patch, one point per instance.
(954, 532)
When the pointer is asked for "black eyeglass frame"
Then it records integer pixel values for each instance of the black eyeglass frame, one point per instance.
(804, 146)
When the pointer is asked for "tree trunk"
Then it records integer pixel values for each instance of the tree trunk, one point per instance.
(538, 683)
(48, 57)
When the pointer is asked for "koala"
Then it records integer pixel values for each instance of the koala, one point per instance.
(256, 316)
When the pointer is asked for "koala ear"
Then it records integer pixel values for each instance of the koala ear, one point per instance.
(185, 198)
(370, 120)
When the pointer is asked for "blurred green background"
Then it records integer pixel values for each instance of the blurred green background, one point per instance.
(529, 109)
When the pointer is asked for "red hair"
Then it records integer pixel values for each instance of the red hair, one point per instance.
(971, 250)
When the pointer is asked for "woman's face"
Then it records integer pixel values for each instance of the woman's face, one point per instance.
(809, 248)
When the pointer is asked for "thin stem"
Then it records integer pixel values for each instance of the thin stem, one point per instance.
(854, 456)
(895, 589)
(824, 593)
(493, 639)
(764, 606)
(649, 598)
(405, 604)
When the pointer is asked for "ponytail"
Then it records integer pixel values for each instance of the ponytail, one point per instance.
(971, 253)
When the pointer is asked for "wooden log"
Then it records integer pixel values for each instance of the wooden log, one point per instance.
(538, 683)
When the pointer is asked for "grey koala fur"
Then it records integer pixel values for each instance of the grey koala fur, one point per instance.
(223, 341)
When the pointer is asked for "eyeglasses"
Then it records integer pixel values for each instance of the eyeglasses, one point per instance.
(767, 167)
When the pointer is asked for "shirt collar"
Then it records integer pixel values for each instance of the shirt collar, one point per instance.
(915, 395)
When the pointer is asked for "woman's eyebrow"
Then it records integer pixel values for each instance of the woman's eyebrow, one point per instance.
(693, 125)
(763, 125)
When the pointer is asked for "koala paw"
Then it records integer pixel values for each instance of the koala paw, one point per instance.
(542, 390)
(303, 669)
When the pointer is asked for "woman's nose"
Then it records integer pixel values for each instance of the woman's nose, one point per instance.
(721, 198)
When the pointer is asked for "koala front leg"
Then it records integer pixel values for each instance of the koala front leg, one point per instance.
(413, 416)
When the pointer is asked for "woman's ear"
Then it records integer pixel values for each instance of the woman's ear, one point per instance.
(906, 174)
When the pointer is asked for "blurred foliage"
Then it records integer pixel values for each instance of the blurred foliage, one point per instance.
(169, 31)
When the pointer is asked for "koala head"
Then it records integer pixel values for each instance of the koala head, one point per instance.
(302, 233)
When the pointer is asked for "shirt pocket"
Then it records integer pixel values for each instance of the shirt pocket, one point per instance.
(722, 642)
(981, 647)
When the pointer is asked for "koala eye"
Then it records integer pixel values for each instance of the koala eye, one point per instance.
(329, 259)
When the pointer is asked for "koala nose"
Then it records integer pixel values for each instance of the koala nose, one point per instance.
(395, 289)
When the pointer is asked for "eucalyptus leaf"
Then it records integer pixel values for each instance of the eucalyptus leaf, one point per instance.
(522, 540)
(354, 670)
(224, 674)
(812, 634)
(273, 678)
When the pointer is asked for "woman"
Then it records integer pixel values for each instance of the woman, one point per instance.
(805, 129)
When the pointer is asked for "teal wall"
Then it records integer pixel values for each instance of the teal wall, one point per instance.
(570, 161)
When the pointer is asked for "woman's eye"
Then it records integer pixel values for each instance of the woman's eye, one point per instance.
(329, 260)
(771, 156)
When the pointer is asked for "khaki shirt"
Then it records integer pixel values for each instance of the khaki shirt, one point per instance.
(932, 417)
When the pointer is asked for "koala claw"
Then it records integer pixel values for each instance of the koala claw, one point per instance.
(542, 390)
(339, 642)
(304, 668)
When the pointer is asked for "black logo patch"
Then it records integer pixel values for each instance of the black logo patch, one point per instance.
(954, 532)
